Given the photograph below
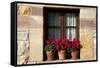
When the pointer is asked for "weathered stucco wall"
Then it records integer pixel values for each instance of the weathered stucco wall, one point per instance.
(33, 21)
(88, 33)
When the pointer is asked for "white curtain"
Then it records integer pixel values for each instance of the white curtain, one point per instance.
(70, 19)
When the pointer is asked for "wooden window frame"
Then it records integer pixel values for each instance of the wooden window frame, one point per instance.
(62, 11)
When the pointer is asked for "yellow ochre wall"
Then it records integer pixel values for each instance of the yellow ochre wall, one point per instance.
(88, 33)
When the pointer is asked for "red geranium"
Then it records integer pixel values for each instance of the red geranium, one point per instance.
(75, 44)
(47, 42)
(50, 45)
(62, 44)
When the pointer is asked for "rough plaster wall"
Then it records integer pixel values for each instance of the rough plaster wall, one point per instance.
(23, 45)
(36, 44)
(34, 23)
(88, 33)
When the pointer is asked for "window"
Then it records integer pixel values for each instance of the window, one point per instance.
(60, 22)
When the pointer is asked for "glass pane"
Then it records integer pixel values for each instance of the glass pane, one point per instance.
(71, 33)
(54, 33)
(70, 19)
(53, 19)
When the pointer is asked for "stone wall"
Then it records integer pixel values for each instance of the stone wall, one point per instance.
(33, 21)
(88, 33)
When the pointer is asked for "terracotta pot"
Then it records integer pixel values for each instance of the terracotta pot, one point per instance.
(62, 54)
(75, 54)
(50, 55)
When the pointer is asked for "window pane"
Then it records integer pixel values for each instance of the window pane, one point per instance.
(71, 33)
(70, 19)
(53, 19)
(54, 33)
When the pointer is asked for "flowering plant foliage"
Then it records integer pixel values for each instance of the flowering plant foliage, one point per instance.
(62, 44)
(50, 45)
(74, 45)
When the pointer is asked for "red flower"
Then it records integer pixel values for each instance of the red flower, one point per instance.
(62, 47)
(64, 40)
(59, 42)
(63, 44)
(58, 48)
(68, 45)
(73, 46)
(47, 42)
(53, 40)
(74, 39)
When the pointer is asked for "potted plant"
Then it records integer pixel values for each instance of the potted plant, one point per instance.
(50, 49)
(74, 48)
(61, 48)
